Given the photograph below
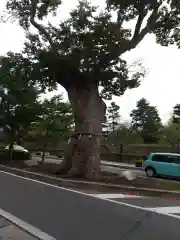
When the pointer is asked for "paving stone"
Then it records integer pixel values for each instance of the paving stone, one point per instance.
(12, 232)
(3, 222)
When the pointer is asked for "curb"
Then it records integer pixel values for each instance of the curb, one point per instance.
(25, 227)
(173, 195)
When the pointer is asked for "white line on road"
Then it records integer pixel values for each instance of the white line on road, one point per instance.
(89, 195)
(26, 226)
(166, 209)
(116, 196)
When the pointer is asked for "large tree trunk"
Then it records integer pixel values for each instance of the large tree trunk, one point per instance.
(82, 157)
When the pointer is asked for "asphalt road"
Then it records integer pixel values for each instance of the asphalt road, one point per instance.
(68, 215)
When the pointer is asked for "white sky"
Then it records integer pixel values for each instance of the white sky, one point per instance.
(161, 86)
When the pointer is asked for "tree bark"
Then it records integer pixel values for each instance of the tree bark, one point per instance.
(82, 156)
(18, 136)
(11, 144)
(45, 145)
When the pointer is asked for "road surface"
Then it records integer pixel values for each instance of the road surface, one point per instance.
(67, 214)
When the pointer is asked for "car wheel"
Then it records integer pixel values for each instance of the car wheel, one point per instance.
(150, 172)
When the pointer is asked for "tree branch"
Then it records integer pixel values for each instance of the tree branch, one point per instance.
(38, 26)
(139, 22)
(138, 36)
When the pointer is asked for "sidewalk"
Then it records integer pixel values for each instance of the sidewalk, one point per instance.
(117, 164)
(8, 230)
(56, 160)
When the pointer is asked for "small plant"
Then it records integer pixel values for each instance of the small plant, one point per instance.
(139, 162)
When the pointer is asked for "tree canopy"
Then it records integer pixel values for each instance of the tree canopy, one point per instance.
(55, 122)
(160, 17)
(19, 105)
(87, 46)
(146, 121)
(176, 114)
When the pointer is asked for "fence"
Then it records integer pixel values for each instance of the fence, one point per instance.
(111, 152)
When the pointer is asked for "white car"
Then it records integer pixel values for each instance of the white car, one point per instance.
(19, 152)
(17, 148)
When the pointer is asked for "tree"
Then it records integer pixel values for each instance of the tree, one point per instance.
(124, 134)
(105, 129)
(55, 122)
(19, 102)
(113, 116)
(85, 52)
(176, 114)
(21, 106)
(128, 135)
(146, 121)
(170, 134)
(18, 110)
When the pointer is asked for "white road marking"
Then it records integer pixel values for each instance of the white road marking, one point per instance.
(115, 196)
(89, 195)
(166, 209)
(130, 175)
(26, 226)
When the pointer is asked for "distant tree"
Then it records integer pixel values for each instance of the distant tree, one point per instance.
(124, 134)
(127, 135)
(170, 135)
(176, 114)
(105, 128)
(113, 116)
(146, 121)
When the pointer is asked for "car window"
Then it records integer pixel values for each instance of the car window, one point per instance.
(174, 159)
(166, 158)
(18, 148)
(160, 158)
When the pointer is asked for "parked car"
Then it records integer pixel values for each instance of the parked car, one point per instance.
(162, 164)
(19, 152)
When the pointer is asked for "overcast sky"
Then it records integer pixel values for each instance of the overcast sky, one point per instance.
(161, 86)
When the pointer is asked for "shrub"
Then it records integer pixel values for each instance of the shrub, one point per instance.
(139, 162)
